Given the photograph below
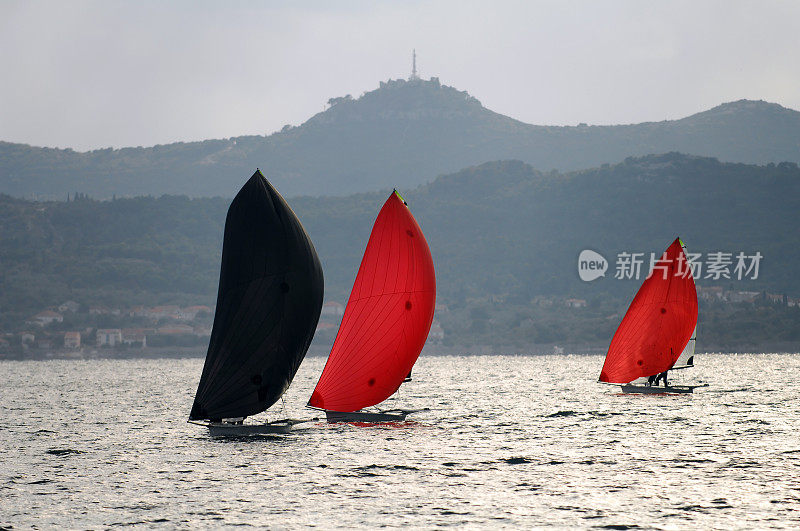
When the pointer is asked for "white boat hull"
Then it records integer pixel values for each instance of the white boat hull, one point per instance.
(393, 415)
(659, 390)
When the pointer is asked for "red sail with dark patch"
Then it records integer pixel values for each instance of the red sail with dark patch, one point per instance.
(658, 324)
(387, 318)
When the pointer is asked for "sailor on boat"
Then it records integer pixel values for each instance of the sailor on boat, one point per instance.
(658, 330)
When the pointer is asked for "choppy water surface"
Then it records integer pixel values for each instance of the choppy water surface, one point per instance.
(510, 441)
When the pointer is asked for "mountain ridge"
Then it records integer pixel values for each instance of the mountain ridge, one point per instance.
(404, 133)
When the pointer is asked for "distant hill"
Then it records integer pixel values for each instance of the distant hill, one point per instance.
(403, 134)
(502, 234)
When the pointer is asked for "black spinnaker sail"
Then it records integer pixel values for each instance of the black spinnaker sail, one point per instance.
(268, 305)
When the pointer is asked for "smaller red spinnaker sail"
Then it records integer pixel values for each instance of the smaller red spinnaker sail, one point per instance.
(658, 324)
(387, 318)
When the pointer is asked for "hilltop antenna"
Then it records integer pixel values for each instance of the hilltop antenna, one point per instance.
(414, 64)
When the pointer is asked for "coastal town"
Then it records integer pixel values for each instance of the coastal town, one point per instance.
(72, 330)
(75, 331)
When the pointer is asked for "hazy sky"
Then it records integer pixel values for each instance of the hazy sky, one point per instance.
(106, 73)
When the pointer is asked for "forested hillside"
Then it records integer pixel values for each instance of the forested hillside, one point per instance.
(505, 240)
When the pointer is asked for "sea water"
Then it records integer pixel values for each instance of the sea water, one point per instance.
(510, 441)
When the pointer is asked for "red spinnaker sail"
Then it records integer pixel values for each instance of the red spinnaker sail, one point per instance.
(659, 322)
(387, 318)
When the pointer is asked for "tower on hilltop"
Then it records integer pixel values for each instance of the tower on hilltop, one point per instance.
(414, 74)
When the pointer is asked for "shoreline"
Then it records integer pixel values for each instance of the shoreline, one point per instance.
(321, 351)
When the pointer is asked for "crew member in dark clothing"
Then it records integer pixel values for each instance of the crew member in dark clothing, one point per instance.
(650, 380)
(662, 376)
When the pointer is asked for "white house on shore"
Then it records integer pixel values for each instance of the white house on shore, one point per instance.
(108, 337)
(72, 340)
(135, 336)
(45, 318)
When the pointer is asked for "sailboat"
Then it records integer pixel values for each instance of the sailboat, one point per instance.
(659, 328)
(385, 323)
(268, 305)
